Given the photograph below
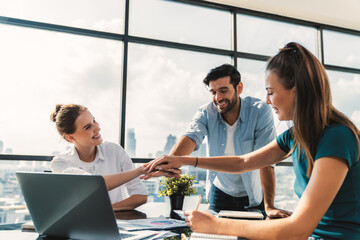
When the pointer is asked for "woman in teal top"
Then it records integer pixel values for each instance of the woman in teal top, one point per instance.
(342, 219)
(324, 145)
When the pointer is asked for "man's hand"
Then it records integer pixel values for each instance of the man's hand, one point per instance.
(165, 163)
(159, 173)
(273, 212)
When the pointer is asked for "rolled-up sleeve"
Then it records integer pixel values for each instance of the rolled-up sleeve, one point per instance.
(198, 128)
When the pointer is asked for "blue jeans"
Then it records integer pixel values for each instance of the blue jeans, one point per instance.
(222, 201)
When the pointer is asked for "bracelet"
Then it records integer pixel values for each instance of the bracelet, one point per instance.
(197, 160)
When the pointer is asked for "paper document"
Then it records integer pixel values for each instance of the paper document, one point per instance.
(137, 235)
(162, 235)
(158, 223)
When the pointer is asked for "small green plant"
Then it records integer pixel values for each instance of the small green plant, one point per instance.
(182, 186)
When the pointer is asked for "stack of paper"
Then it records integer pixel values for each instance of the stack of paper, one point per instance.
(241, 214)
(158, 223)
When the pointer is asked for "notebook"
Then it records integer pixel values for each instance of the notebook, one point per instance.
(204, 236)
(241, 214)
(71, 206)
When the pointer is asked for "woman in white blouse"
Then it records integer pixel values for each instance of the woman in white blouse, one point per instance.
(90, 155)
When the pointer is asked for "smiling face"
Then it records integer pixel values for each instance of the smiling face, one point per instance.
(224, 95)
(87, 133)
(280, 98)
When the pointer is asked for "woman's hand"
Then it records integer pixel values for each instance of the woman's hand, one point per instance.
(201, 221)
(165, 163)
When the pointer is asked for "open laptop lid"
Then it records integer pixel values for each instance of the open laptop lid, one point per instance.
(69, 206)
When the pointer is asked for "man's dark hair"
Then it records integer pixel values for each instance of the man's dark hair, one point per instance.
(223, 71)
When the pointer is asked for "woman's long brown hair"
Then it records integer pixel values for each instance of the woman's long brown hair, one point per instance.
(313, 110)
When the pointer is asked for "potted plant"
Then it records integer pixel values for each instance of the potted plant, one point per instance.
(177, 189)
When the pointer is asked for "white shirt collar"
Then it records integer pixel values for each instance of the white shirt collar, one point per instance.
(73, 156)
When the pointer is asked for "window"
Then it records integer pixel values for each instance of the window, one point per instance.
(345, 90)
(50, 68)
(178, 22)
(164, 91)
(345, 54)
(164, 88)
(107, 16)
(263, 36)
(253, 78)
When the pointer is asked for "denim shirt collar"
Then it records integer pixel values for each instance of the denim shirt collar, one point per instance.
(242, 116)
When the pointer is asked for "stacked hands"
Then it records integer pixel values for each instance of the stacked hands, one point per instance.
(168, 166)
(199, 221)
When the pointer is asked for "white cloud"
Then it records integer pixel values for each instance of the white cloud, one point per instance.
(355, 117)
(164, 91)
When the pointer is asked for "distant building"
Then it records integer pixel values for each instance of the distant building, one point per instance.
(159, 154)
(8, 150)
(152, 186)
(201, 152)
(171, 140)
(131, 142)
(13, 210)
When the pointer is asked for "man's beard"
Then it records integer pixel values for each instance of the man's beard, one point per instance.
(231, 104)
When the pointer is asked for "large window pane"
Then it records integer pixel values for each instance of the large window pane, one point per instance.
(178, 22)
(105, 15)
(285, 197)
(253, 78)
(164, 91)
(265, 37)
(345, 89)
(341, 49)
(42, 68)
(12, 205)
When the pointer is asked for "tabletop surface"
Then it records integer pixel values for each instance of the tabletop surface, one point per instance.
(148, 210)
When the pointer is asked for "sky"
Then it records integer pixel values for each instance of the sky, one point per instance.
(42, 68)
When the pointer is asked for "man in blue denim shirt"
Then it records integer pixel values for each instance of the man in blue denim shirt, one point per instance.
(233, 126)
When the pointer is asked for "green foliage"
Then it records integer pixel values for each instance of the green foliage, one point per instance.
(182, 186)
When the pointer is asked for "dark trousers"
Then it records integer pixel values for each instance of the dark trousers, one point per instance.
(222, 201)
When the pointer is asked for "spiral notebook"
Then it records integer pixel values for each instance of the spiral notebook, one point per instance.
(202, 236)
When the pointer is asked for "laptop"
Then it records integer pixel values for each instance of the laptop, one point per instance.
(70, 206)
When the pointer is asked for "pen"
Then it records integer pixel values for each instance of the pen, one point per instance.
(197, 206)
